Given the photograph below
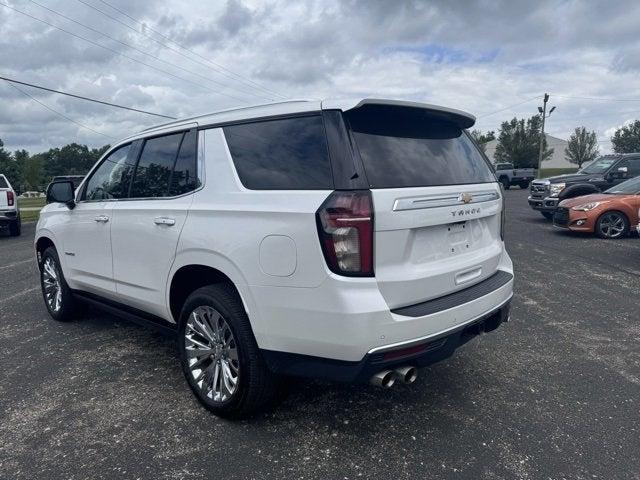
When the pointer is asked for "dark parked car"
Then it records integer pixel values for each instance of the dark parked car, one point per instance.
(601, 174)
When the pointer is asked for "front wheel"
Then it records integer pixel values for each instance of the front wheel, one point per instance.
(219, 354)
(505, 183)
(612, 225)
(524, 185)
(58, 298)
(547, 215)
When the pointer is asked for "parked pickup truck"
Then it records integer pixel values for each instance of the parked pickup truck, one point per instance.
(507, 175)
(9, 213)
(601, 174)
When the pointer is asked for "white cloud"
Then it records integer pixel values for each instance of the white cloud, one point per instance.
(480, 57)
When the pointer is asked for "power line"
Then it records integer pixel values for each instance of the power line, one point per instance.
(137, 49)
(11, 80)
(507, 108)
(118, 53)
(213, 65)
(600, 98)
(237, 75)
(59, 113)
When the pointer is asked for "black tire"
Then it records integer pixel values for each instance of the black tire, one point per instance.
(604, 231)
(524, 185)
(547, 215)
(70, 307)
(15, 228)
(505, 182)
(256, 386)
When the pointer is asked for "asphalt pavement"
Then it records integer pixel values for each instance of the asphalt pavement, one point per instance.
(553, 394)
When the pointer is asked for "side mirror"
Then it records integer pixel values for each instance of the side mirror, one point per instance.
(61, 192)
(623, 170)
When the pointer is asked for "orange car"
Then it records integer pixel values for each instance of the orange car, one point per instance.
(610, 214)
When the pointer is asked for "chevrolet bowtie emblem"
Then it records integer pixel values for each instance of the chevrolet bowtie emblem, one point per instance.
(465, 197)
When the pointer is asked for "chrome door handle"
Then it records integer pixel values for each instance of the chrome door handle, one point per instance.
(102, 219)
(164, 221)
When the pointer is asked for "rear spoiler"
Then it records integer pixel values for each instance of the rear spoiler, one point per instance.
(460, 118)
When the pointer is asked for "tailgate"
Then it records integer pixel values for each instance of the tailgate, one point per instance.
(3, 198)
(437, 204)
(429, 242)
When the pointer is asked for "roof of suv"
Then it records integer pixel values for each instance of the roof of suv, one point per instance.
(464, 119)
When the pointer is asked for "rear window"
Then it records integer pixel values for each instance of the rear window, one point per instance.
(3, 183)
(284, 154)
(414, 148)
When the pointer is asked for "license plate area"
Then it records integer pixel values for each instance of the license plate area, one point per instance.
(459, 238)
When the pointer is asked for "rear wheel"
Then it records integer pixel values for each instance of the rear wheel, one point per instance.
(219, 354)
(60, 302)
(547, 215)
(612, 225)
(15, 228)
(524, 184)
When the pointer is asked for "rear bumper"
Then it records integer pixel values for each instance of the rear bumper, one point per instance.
(348, 319)
(8, 216)
(418, 353)
(546, 204)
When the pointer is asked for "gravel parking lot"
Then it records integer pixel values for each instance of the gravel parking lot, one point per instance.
(553, 394)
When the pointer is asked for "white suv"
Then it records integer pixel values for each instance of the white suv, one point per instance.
(9, 212)
(348, 241)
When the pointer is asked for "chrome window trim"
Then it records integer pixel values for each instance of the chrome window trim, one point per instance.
(199, 161)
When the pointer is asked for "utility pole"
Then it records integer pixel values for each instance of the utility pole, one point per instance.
(543, 111)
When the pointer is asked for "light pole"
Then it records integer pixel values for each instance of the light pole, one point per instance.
(543, 112)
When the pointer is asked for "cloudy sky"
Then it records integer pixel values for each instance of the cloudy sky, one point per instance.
(182, 58)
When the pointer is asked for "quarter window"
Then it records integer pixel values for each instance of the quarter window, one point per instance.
(111, 179)
(286, 154)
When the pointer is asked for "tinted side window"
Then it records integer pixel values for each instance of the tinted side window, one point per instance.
(634, 167)
(287, 154)
(3, 183)
(111, 179)
(184, 178)
(155, 165)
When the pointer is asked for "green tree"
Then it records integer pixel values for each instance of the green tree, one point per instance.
(72, 159)
(627, 139)
(519, 141)
(32, 177)
(483, 138)
(10, 168)
(582, 147)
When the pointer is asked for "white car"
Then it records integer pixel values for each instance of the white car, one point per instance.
(9, 212)
(352, 241)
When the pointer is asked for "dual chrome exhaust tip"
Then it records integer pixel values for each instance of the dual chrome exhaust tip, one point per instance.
(386, 378)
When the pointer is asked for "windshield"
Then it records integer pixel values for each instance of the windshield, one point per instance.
(599, 165)
(630, 187)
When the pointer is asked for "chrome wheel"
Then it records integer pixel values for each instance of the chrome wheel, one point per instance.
(612, 225)
(211, 354)
(51, 285)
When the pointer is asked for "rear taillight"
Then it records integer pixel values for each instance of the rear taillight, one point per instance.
(10, 198)
(345, 226)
